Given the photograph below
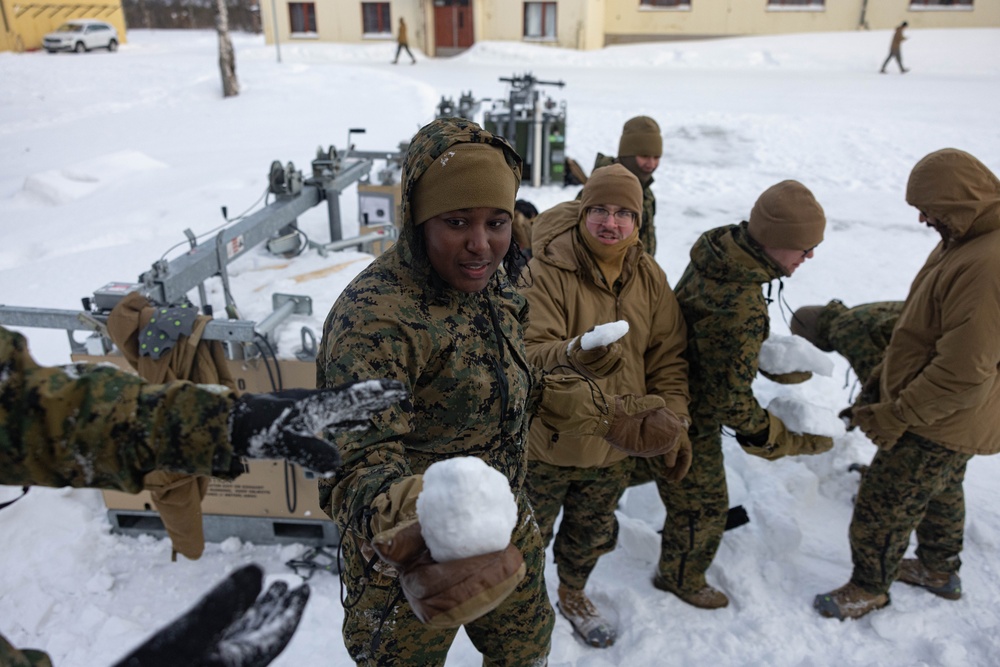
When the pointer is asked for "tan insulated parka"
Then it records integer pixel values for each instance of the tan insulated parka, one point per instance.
(568, 297)
(941, 366)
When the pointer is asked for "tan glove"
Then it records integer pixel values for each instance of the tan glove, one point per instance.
(447, 595)
(795, 377)
(597, 363)
(644, 426)
(677, 463)
(882, 423)
(782, 442)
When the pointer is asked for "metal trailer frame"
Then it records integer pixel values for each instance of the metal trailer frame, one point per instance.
(167, 283)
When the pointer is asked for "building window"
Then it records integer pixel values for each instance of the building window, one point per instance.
(796, 3)
(665, 3)
(375, 18)
(302, 17)
(919, 4)
(540, 20)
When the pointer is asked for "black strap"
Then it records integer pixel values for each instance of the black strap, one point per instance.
(24, 492)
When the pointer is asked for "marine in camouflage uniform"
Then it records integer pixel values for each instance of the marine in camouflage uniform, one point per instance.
(99, 427)
(640, 136)
(727, 321)
(938, 401)
(462, 356)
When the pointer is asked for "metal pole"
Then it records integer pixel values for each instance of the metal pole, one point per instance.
(536, 152)
(274, 27)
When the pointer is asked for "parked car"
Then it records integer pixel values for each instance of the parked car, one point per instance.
(82, 35)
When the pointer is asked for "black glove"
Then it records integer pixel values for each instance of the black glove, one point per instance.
(289, 424)
(229, 627)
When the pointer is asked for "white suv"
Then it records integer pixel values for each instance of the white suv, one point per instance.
(82, 35)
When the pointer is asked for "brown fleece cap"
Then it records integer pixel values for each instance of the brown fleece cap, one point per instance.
(640, 136)
(787, 216)
(470, 175)
(613, 184)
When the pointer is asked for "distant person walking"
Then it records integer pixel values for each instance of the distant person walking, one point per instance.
(895, 49)
(402, 42)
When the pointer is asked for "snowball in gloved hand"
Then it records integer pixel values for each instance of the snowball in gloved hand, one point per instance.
(465, 509)
(604, 334)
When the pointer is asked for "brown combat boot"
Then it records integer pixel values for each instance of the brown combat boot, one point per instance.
(943, 584)
(849, 601)
(584, 617)
(705, 597)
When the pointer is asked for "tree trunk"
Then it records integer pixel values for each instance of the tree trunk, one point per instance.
(227, 55)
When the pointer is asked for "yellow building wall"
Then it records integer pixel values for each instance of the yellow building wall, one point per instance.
(23, 23)
(591, 24)
(627, 21)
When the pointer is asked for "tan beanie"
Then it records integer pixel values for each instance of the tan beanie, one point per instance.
(613, 184)
(469, 175)
(640, 136)
(787, 216)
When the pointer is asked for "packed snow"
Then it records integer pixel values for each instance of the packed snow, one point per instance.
(465, 509)
(604, 334)
(105, 159)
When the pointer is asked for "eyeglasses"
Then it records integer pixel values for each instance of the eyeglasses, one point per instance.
(601, 215)
(805, 253)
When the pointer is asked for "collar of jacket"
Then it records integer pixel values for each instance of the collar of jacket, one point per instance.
(728, 254)
(554, 241)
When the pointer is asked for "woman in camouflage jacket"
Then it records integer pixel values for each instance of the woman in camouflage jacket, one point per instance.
(450, 328)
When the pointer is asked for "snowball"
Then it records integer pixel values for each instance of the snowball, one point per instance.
(789, 354)
(466, 509)
(603, 334)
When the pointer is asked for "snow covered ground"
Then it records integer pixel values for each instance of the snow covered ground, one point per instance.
(106, 158)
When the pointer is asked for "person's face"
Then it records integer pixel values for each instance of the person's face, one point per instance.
(610, 224)
(466, 247)
(790, 259)
(648, 163)
(933, 223)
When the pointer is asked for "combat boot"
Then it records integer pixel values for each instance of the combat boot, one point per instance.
(585, 619)
(705, 597)
(943, 584)
(849, 601)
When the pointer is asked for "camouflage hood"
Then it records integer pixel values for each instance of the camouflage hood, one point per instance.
(957, 189)
(728, 255)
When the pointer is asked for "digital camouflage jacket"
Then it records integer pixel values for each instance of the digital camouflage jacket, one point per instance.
(51, 416)
(460, 355)
(721, 296)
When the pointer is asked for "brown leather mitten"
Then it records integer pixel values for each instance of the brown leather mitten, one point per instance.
(600, 362)
(677, 463)
(644, 426)
(782, 442)
(794, 377)
(881, 422)
(447, 595)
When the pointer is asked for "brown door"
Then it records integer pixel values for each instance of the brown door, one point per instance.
(452, 26)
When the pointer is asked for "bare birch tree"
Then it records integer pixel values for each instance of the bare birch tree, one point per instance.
(227, 54)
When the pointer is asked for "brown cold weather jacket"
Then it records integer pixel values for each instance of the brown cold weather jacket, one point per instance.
(897, 40)
(568, 297)
(941, 366)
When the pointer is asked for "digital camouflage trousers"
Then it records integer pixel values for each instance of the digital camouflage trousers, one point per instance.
(588, 498)
(381, 630)
(916, 485)
(696, 509)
